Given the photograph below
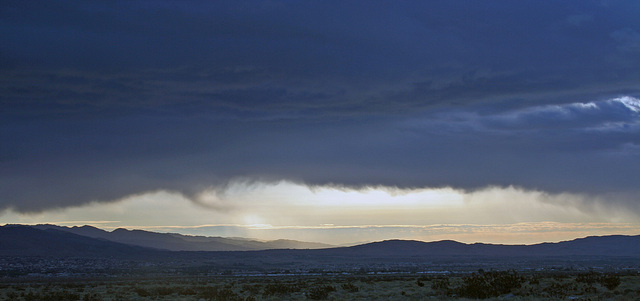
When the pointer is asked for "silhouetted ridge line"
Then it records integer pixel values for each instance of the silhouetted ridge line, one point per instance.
(51, 240)
(615, 245)
(179, 242)
(17, 240)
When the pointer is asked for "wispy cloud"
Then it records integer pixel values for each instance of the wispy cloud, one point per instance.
(81, 222)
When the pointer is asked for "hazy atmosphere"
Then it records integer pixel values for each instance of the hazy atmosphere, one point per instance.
(329, 121)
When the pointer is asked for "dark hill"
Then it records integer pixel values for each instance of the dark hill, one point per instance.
(616, 245)
(179, 242)
(406, 248)
(18, 240)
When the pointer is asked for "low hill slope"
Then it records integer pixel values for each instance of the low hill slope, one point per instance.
(615, 245)
(17, 240)
(179, 242)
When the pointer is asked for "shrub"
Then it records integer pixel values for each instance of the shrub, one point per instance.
(142, 292)
(225, 294)
(272, 289)
(558, 290)
(350, 287)
(187, 291)
(91, 297)
(588, 278)
(441, 285)
(253, 289)
(610, 281)
(489, 284)
(321, 292)
(163, 291)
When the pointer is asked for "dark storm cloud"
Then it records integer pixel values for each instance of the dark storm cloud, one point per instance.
(103, 99)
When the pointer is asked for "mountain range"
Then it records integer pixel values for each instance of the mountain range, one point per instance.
(87, 241)
(18, 240)
(179, 242)
(613, 245)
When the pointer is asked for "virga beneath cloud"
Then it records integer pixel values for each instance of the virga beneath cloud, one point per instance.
(331, 215)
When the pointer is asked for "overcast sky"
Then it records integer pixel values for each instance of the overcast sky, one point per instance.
(103, 101)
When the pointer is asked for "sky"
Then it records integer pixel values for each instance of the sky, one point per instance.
(331, 121)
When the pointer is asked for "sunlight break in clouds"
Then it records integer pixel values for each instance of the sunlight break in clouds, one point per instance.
(631, 103)
(337, 215)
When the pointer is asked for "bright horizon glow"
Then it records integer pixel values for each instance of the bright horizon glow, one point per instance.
(286, 210)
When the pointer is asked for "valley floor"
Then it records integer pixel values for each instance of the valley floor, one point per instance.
(492, 285)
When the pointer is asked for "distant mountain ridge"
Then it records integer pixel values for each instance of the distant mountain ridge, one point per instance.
(613, 245)
(87, 241)
(19, 240)
(179, 242)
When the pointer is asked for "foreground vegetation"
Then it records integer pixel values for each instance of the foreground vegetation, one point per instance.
(491, 285)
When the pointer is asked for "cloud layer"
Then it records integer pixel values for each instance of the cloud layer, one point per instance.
(101, 100)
